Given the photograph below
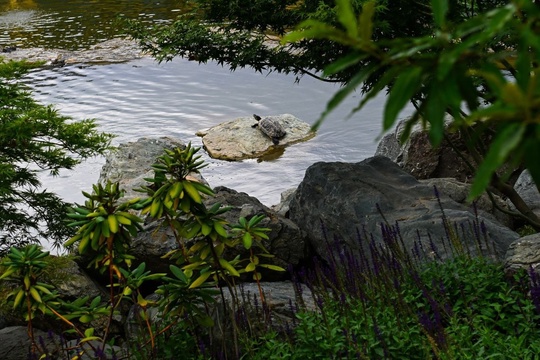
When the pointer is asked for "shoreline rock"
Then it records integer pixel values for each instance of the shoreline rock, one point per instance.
(342, 206)
(116, 50)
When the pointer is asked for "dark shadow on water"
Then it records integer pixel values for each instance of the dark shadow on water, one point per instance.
(274, 153)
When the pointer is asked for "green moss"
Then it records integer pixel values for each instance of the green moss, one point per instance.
(526, 230)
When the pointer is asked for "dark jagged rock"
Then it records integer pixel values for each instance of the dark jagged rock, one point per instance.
(348, 200)
(421, 159)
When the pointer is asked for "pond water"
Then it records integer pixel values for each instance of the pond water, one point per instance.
(144, 98)
(76, 24)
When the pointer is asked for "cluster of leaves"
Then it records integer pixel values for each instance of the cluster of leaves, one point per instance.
(481, 71)
(24, 268)
(33, 139)
(241, 33)
(105, 229)
(465, 308)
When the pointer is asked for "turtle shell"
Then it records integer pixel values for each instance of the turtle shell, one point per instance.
(272, 128)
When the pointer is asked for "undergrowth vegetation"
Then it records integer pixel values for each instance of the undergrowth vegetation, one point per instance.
(464, 308)
(383, 301)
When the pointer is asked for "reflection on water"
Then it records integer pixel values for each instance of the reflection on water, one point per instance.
(18, 4)
(142, 98)
(75, 24)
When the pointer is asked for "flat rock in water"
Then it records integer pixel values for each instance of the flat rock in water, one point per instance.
(238, 140)
(107, 52)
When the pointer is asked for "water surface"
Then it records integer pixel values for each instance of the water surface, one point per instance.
(143, 98)
(76, 24)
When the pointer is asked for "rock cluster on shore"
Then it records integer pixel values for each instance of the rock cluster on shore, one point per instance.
(337, 207)
(106, 52)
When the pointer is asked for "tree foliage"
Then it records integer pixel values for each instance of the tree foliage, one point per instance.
(482, 71)
(246, 33)
(34, 139)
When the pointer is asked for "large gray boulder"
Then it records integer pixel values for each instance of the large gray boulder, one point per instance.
(131, 162)
(71, 281)
(348, 199)
(237, 139)
(459, 192)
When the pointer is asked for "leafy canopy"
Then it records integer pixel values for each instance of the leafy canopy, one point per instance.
(482, 71)
(35, 138)
(246, 33)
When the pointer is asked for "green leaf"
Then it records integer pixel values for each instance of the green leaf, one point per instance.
(89, 332)
(220, 230)
(313, 29)
(344, 63)
(346, 17)
(504, 143)
(192, 191)
(200, 280)
(434, 111)
(379, 86)
(440, 8)
(406, 85)
(206, 229)
(250, 267)
(255, 220)
(247, 240)
(95, 302)
(7, 273)
(205, 320)
(178, 273)
(272, 267)
(89, 338)
(366, 21)
(86, 318)
(227, 266)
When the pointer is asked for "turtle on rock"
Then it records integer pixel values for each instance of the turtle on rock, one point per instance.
(270, 127)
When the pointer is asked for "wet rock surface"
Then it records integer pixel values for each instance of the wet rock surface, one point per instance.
(238, 139)
(107, 52)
